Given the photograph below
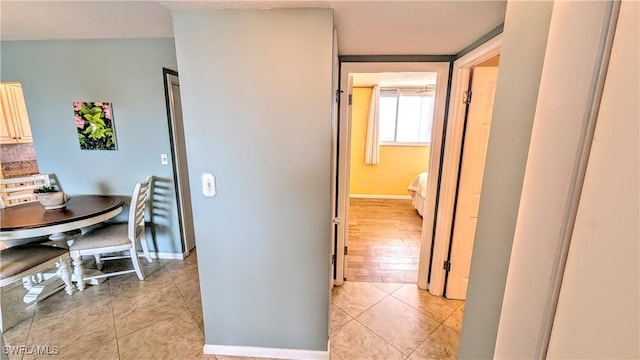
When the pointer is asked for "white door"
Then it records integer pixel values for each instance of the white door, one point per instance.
(180, 164)
(473, 158)
(334, 158)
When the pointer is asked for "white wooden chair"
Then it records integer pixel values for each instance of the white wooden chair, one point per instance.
(15, 191)
(113, 238)
(25, 261)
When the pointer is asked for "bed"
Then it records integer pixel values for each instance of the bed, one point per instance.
(418, 191)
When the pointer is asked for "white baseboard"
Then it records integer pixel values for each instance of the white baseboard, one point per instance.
(154, 255)
(274, 353)
(388, 197)
(164, 255)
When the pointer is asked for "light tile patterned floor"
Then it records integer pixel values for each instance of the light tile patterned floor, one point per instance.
(161, 318)
(123, 318)
(393, 321)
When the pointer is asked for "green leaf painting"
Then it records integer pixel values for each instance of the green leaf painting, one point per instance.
(94, 123)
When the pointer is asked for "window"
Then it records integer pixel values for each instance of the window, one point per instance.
(406, 116)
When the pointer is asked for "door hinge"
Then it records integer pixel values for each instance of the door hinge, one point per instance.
(447, 266)
(466, 97)
(350, 99)
(335, 221)
(333, 259)
(346, 250)
(338, 92)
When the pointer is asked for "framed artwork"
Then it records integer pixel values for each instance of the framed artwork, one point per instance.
(94, 123)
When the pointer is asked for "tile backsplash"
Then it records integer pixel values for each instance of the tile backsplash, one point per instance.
(18, 160)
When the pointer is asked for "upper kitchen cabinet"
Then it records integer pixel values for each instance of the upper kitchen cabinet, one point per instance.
(14, 121)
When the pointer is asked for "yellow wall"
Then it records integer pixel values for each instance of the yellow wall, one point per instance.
(494, 61)
(398, 164)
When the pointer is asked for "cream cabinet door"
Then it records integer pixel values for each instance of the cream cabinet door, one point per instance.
(14, 120)
(21, 121)
(7, 132)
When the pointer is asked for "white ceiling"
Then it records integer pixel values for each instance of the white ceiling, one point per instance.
(395, 79)
(365, 27)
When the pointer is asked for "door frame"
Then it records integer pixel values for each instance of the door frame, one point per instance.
(474, 150)
(335, 83)
(344, 155)
(451, 159)
(178, 153)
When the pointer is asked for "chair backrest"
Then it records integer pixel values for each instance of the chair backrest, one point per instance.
(16, 191)
(136, 209)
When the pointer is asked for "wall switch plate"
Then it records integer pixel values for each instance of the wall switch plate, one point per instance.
(164, 159)
(208, 184)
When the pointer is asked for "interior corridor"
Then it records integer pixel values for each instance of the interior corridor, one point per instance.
(161, 318)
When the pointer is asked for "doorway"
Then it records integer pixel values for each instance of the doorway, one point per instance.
(474, 150)
(385, 225)
(348, 70)
(443, 251)
(179, 159)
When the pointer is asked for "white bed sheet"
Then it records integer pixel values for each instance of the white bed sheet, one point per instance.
(418, 191)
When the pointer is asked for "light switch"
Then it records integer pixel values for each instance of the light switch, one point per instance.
(208, 184)
(164, 160)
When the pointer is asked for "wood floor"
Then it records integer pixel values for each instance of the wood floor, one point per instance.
(384, 241)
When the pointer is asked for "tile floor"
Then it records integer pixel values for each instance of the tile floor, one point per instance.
(393, 321)
(161, 318)
(123, 318)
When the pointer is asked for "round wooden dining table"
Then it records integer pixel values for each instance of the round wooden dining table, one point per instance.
(32, 219)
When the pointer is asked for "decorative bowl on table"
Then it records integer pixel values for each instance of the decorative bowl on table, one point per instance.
(51, 198)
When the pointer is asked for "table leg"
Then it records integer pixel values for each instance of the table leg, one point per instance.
(64, 272)
(78, 272)
(51, 283)
(94, 272)
(44, 289)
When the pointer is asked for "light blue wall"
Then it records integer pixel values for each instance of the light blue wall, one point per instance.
(256, 94)
(526, 29)
(127, 73)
